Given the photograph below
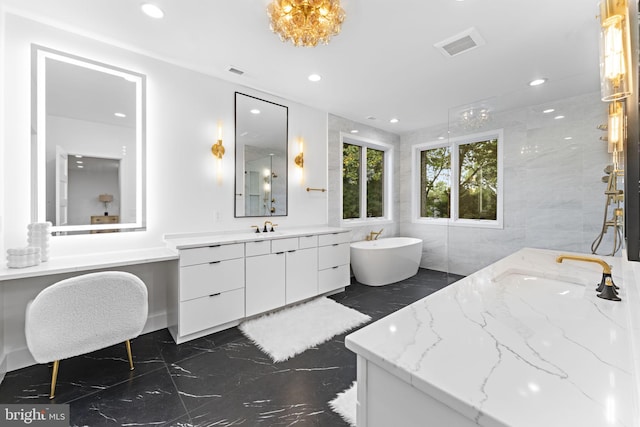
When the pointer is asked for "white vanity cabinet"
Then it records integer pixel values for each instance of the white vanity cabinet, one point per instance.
(265, 278)
(302, 270)
(219, 285)
(333, 261)
(211, 290)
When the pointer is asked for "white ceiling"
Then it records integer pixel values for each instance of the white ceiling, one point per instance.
(383, 64)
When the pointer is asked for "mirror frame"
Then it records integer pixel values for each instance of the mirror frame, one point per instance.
(39, 55)
(286, 155)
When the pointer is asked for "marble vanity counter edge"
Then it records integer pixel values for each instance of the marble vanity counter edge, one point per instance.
(631, 282)
(93, 261)
(526, 261)
(195, 240)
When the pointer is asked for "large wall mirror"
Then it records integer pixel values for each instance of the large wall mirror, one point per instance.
(261, 157)
(88, 134)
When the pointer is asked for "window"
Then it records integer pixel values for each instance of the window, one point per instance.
(459, 182)
(365, 179)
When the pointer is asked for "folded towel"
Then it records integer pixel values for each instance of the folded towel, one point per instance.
(24, 251)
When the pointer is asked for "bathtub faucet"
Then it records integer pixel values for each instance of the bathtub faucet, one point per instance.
(373, 235)
(607, 289)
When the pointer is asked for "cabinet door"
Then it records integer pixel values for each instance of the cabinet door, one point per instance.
(265, 277)
(302, 274)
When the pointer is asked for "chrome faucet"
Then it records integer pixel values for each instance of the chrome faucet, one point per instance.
(373, 235)
(608, 289)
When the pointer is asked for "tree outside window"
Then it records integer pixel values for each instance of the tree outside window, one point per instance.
(475, 181)
(363, 181)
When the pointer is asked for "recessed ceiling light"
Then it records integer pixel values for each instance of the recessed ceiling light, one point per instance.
(152, 10)
(80, 166)
(79, 162)
(568, 138)
(255, 111)
(441, 137)
(314, 77)
(394, 120)
(559, 117)
(537, 82)
(78, 156)
(354, 131)
(120, 114)
(549, 110)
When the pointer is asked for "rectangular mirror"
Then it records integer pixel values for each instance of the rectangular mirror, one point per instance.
(88, 129)
(261, 157)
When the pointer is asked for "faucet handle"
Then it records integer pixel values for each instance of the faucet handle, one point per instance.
(273, 225)
(256, 227)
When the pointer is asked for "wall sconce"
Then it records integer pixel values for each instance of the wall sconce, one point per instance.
(299, 160)
(217, 149)
(615, 52)
(615, 127)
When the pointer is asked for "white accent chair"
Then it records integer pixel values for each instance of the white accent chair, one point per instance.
(84, 314)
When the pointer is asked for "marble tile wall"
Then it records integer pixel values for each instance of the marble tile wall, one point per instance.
(336, 126)
(553, 193)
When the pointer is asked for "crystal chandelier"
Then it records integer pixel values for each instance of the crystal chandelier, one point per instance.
(474, 118)
(306, 22)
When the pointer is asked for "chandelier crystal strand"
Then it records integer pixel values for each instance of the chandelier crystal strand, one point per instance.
(306, 22)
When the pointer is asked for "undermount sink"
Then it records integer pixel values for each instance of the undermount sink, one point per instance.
(535, 287)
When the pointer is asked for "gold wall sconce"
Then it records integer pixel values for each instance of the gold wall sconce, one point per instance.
(299, 160)
(615, 50)
(217, 149)
(615, 127)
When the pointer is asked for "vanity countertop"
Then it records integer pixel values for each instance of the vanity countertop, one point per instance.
(93, 261)
(523, 342)
(195, 240)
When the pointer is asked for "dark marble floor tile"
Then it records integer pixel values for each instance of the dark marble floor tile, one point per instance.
(144, 400)
(78, 376)
(212, 375)
(286, 397)
(219, 380)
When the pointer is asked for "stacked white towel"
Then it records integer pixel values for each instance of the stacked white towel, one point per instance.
(23, 257)
(38, 236)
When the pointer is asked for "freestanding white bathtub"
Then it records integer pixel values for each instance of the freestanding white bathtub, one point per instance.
(384, 261)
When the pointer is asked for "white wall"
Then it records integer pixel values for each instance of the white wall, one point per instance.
(553, 193)
(183, 109)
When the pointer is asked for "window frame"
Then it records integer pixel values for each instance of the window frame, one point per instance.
(454, 144)
(388, 180)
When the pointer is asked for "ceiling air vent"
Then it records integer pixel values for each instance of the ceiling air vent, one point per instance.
(460, 43)
(235, 70)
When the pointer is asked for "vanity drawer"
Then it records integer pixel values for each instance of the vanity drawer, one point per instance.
(333, 238)
(334, 255)
(214, 277)
(333, 278)
(284, 245)
(306, 242)
(206, 312)
(211, 253)
(258, 247)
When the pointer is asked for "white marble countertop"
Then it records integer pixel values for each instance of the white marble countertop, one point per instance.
(194, 240)
(93, 261)
(523, 342)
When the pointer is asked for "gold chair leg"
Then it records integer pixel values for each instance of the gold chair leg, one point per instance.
(128, 343)
(54, 377)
